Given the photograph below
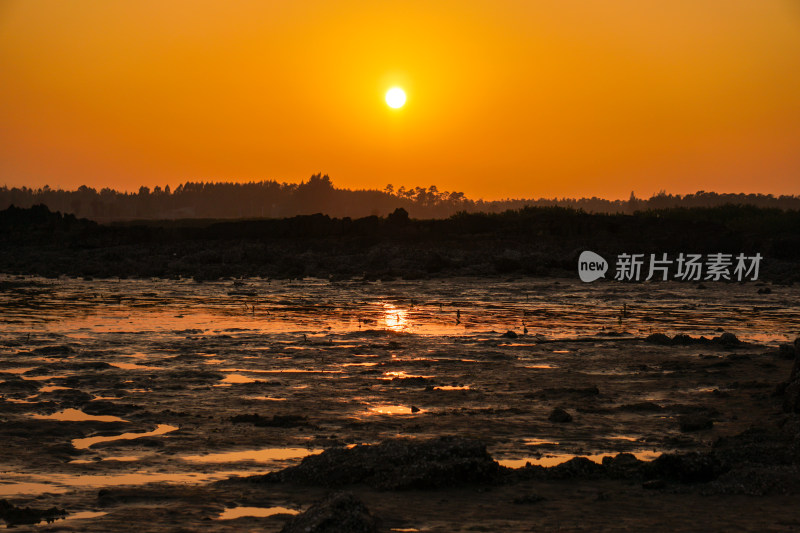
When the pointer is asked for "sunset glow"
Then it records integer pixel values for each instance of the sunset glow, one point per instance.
(520, 99)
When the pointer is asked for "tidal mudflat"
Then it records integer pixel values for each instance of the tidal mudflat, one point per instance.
(441, 405)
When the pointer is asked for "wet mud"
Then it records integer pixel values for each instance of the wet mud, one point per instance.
(245, 404)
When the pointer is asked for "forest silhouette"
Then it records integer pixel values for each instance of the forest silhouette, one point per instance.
(271, 199)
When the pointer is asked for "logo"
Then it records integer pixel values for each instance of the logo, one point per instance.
(591, 266)
(685, 267)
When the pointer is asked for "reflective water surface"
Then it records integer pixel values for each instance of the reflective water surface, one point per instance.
(341, 363)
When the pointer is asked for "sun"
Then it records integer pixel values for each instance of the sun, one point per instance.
(395, 97)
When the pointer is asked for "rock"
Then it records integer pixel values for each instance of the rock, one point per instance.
(395, 464)
(764, 290)
(559, 416)
(577, 467)
(509, 335)
(791, 397)
(695, 422)
(13, 515)
(727, 339)
(337, 513)
(659, 338)
(654, 484)
(686, 468)
(623, 465)
(786, 351)
(62, 349)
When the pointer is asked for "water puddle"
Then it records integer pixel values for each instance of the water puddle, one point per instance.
(265, 455)
(16, 400)
(121, 458)
(235, 378)
(75, 415)
(260, 512)
(395, 410)
(10, 488)
(134, 366)
(60, 483)
(265, 398)
(401, 374)
(85, 515)
(539, 442)
(557, 459)
(623, 437)
(18, 370)
(85, 443)
(51, 388)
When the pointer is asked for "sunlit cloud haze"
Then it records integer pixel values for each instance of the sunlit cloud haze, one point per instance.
(504, 98)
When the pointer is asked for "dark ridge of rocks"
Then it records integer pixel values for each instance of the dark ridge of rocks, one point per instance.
(338, 513)
(759, 446)
(686, 468)
(756, 481)
(758, 460)
(786, 351)
(13, 515)
(396, 464)
(622, 466)
(728, 340)
(559, 416)
(278, 421)
(577, 467)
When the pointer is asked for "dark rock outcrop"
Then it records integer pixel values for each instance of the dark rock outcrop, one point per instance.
(396, 464)
(13, 515)
(335, 514)
(559, 416)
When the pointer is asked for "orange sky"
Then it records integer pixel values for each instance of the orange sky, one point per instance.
(505, 98)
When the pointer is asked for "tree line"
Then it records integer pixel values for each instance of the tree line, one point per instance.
(271, 199)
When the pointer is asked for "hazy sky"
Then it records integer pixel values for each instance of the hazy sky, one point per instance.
(505, 98)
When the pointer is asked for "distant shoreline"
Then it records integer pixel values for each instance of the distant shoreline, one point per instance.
(532, 242)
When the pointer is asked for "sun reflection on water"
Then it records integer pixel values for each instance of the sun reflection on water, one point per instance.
(396, 319)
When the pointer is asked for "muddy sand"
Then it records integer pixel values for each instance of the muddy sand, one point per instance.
(437, 405)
